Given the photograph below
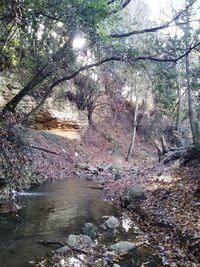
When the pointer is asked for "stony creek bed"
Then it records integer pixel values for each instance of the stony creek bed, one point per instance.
(56, 210)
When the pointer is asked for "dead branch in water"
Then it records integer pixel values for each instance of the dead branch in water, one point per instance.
(47, 243)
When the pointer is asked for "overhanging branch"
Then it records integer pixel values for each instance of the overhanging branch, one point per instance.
(154, 29)
(114, 58)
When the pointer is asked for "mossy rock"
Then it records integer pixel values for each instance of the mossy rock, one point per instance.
(90, 230)
(123, 246)
(74, 240)
(132, 194)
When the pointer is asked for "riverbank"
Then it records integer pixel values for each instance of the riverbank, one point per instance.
(162, 202)
(31, 156)
(116, 242)
(169, 212)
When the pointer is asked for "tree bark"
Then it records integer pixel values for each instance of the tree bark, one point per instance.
(180, 104)
(194, 124)
(12, 104)
(90, 108)
(159, 149)
(130, 151)
(165, 148)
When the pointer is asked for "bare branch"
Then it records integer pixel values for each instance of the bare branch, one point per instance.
(119, 59)
(190, 49)
(154, 29)
(49, 16)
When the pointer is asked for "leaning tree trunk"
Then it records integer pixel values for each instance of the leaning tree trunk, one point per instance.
(37, 79)
(194, 124)
(130, 151)
(12, 104)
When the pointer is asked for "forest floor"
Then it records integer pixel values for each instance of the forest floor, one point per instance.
(57, 157)
(169, 213)
(169, 216)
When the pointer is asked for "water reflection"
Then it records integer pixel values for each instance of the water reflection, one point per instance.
(63, 209)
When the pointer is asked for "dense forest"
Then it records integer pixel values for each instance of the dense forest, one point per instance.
(106, 92)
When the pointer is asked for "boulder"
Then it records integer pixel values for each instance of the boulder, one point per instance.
(112, 222)
(110, 254)
(63, 250)
(90, 230)
(103, 167)
(82, 166)
(93, 170)
(74, 240)
(132, 194)
(122, 246)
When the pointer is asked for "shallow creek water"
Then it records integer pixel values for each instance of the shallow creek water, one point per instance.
(51, 212)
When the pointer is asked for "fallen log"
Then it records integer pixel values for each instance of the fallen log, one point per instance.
(173, 155)
(167, 154)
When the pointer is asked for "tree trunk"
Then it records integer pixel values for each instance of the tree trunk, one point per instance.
(180, 105)
(12, 104)
(159, 149)
(130, 151)
(194, 124)
(90, 109)
(165, 148)
(141, 113)
(38, 78)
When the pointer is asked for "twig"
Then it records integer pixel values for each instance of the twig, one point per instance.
(45, 150)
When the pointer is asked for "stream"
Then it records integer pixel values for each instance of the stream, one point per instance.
(51, 212)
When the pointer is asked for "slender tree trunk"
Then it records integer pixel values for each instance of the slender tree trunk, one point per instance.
(141, 113)
(194, 124)
(130, 151)
(180, 105)
(90, 109)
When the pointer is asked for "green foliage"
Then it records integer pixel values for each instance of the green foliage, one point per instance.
(164, 89)
(45, 27)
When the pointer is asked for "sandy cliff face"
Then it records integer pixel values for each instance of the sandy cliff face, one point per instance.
(58, 123)
(58, 116)
(9, 87)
